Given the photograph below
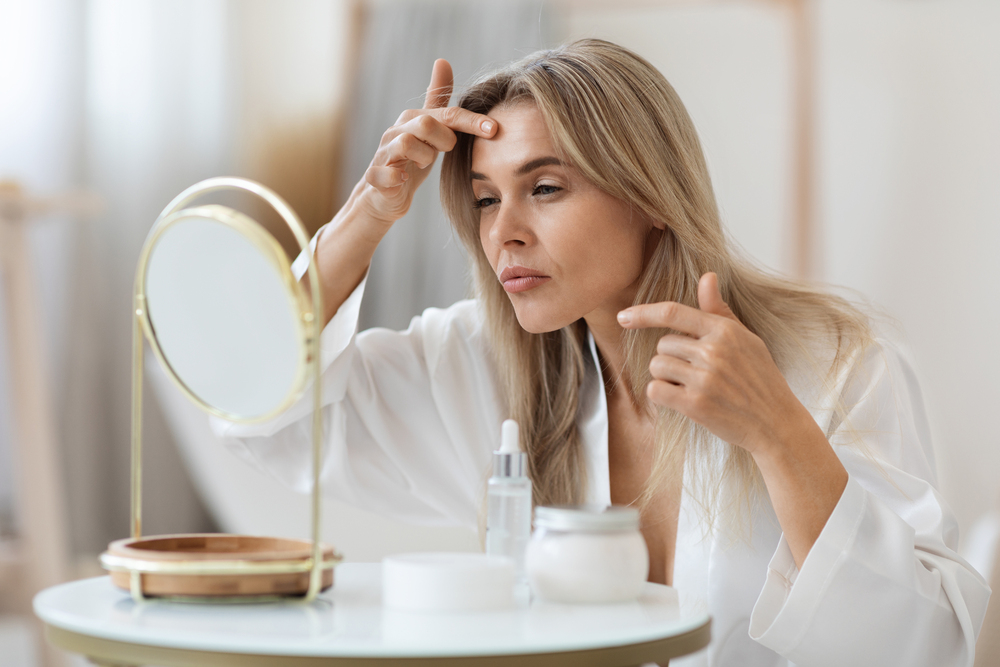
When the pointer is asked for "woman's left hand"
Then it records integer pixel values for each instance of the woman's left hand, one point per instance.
(717, 372)
(722, 376)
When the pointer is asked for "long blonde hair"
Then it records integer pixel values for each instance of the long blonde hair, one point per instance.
(617, 120)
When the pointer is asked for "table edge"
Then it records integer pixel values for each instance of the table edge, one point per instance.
(114, 652)
(69, 622)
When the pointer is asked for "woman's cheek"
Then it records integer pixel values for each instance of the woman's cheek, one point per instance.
(484, 241)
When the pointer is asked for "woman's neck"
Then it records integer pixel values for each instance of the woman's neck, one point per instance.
(609, 337)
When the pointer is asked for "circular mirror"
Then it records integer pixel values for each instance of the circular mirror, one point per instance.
(224, 312)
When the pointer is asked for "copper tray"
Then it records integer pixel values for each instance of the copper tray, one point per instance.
(206, 547)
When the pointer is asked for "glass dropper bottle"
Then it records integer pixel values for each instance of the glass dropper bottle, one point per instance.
(508, 517)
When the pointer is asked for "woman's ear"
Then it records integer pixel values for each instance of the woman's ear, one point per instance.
(658, 223)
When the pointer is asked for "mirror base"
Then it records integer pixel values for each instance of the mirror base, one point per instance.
(216, 567)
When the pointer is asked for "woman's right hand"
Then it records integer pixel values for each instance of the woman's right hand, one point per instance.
(408, 149)
(403, 160)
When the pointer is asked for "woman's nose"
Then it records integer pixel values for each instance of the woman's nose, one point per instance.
(510, 227)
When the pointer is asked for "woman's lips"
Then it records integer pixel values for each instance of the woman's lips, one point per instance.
(524, 284)
(520, 279)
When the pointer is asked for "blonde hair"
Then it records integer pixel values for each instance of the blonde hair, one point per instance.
(617, 120)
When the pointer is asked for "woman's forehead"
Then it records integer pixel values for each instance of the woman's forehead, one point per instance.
(521, 137)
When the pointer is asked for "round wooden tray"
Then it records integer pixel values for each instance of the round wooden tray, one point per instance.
(203, 547)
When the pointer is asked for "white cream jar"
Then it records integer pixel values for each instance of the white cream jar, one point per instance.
(587, 554)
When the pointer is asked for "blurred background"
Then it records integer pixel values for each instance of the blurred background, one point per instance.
(853, 142)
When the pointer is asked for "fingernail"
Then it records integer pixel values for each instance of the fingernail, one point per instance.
(487, 126)
(403, 175)
(624, 317)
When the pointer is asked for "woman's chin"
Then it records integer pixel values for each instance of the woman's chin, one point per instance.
(539, 322)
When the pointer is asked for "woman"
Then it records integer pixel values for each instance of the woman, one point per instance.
(777, 450)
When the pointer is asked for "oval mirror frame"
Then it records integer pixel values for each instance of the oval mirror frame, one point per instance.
(271, 251)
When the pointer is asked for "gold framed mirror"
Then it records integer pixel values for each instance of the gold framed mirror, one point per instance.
(236, 331)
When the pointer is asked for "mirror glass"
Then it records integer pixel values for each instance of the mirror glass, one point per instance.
(225, 319)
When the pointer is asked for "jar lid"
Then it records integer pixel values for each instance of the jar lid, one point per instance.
(587, 518)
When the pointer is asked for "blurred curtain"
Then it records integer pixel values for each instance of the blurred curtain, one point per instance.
(40, 104)
(136, 100)
(420, 263)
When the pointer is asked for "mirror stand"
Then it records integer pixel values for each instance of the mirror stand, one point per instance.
(220, 567)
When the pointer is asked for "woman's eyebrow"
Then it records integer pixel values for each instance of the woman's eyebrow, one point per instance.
(525, 168)
(529, 167)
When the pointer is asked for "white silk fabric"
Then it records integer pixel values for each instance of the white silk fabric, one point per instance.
(411, 418)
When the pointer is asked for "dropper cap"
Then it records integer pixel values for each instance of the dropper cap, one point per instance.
(509, 460)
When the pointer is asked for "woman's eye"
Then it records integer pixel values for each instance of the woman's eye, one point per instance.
(485, 202)
(546, 189)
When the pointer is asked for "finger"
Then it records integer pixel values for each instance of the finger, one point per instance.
(463, 120)
(425, 128)
(666, 394)
(710, 299)
(682, 347)
(385, 178)
(437, 127)
(431, 131)
(671, 369)
(406, 147)
(439, 90)
(667, 315)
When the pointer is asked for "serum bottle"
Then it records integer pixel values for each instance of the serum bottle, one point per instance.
(508, 517)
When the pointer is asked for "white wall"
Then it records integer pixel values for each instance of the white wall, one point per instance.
(910, 195)
(908, 125)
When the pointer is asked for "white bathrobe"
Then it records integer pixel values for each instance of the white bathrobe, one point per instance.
(411, 419)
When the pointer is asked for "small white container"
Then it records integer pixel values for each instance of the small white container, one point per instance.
(447, 582)
(587, 555)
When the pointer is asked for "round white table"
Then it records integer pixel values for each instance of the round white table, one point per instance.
(347, 626)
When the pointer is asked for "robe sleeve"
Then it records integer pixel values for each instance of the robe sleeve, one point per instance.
(883, 584)
(409, 418)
